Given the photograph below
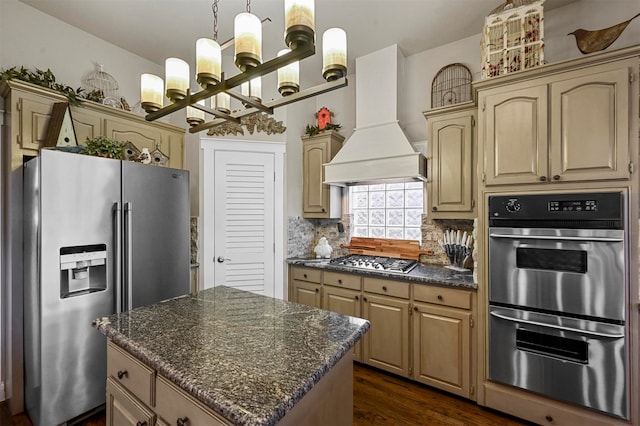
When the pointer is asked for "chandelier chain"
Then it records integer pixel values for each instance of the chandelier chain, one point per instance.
(214, 8)
(249, 6)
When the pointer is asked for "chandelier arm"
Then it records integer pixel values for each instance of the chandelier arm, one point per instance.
(247, 100)
(300, 52)
(308, 93)
(215, 112)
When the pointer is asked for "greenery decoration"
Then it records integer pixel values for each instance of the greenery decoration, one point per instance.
(313, 130)
(48, 80)
(102, 146)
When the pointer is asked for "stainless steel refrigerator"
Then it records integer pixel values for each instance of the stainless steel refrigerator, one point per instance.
(101, 236)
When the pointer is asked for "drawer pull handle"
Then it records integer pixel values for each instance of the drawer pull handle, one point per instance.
(305, 275)
(122, 373)
(364, 298)
(384, 288)
(182, 421)
(440, 297)
(141, 424)
(549, 418)
(317, 290)
(339, 281)
(556, 177)
(543, 178)
(357, 297)
(415, 308)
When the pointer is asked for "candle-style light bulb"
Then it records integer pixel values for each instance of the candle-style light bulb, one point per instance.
(248, 41)
(194, 115)
(334, 54)
(299, 21)
(208, 62)
(288, 76)
(151, 92)
(177, 78)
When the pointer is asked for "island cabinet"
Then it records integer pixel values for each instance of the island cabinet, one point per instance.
(442, 339)
(319, 200)
(306, 286)
(28, 110)
(387, 306)
(568, 124)
(452, 154)
(342, 293)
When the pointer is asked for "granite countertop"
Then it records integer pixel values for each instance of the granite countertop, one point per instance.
(248, 357)
(421, 274)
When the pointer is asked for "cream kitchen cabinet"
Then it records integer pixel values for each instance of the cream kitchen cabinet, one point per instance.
(452, 156)
(442, 340)
(387, 306)
(28, 108)
(566, 126)
(318, 199)
(342, 293)
(306, 286)
(137, 395)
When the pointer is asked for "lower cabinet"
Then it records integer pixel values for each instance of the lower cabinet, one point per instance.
(346, 302)
(419, 331)
(133, 389)
(441, 348)
(386, 344)
(123, 409)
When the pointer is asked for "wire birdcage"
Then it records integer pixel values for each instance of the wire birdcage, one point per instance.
(104, 83)
(451, 85)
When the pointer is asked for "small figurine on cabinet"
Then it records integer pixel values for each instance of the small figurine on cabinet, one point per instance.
(323, 249)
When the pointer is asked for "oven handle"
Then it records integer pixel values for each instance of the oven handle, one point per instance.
(552, 237)
(558, 327)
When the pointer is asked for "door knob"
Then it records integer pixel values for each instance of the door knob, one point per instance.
(222, 259)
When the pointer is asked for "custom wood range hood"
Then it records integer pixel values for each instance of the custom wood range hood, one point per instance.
(378, 150)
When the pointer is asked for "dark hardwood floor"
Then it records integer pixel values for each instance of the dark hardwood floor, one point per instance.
(379, 399)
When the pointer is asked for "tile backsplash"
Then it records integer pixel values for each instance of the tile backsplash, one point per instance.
(303, 235)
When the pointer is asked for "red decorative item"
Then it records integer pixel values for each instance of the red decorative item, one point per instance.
(324, 118)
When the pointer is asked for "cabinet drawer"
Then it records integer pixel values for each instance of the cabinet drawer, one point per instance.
(123, 409)
(442, 296)
(342, 280)
(173, 403)
(131, 373)
(307, 274)
(386, 287)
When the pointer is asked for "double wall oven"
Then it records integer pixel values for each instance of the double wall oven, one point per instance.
(557, 297)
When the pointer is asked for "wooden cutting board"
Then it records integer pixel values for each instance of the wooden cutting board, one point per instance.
(401, 249)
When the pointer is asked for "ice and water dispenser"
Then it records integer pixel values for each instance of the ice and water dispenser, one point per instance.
(83, 269)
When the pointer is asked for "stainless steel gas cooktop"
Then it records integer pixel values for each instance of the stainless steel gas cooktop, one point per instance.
(379, 263)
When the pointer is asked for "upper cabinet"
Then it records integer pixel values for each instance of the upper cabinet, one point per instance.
(318, 199)
(452, 156)
(28, 110)
(567, 125)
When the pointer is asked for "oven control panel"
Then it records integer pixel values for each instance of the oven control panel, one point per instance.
(593, 209)
(573, 206)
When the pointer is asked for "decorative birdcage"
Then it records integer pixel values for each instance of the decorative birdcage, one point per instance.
(513, 38)
(451, 85)
(105, 85)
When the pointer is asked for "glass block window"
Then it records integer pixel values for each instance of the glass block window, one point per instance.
(392, 210)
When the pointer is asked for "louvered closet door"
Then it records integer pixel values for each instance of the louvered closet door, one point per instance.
(243, 221)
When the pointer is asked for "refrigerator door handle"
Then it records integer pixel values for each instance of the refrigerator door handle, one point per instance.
(128, 228)
(117, 222)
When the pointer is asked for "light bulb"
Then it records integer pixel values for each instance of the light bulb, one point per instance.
(288, 76)
(177, 77)
(334, 54)
(208, 62)
(248, 41)
(151, 96)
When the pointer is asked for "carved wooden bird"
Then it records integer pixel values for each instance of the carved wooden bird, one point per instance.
(597, 40)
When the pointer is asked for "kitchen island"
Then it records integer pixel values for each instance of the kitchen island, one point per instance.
(238, 357)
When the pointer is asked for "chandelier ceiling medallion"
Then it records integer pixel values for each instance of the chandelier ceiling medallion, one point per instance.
(299, 39)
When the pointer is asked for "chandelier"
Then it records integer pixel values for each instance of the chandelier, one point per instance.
(299, 39)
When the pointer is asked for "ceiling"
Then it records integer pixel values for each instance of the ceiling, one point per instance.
(157, 29)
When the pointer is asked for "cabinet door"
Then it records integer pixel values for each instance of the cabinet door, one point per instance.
(143, 136)
(515, 135)
(315, 193)
(86, 124)
(34, 115)
(441, 348)
(590, 126)
(386, 344)
(452, 165)
(307, 293)
(346, 302)
(124, 409)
